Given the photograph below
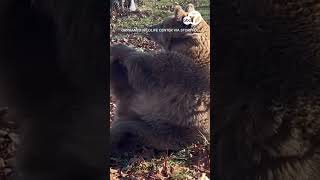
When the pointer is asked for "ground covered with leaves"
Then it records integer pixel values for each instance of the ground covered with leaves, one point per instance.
(9, 140)
(190, 163)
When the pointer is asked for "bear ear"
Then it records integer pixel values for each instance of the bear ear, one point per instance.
(190, 7)
(196, 19)
(179, 13)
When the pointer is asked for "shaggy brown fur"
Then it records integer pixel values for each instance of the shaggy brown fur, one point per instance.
(163, 100)
(194, 44)
(267, 90)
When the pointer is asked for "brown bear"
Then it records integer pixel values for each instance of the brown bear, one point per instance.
(194, 42)
(267, 90)
(163, 100)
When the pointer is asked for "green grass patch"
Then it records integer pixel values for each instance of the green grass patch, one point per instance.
(154, 11)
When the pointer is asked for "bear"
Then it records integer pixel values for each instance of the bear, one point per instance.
(163, 100)
(193, 42)
(267, 84)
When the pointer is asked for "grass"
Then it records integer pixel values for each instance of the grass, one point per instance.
(154, 12)
(179, 165)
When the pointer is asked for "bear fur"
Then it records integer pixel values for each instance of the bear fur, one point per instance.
(194, 44)
(163, 100)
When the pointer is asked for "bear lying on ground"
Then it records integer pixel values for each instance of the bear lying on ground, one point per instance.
(163, 100)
